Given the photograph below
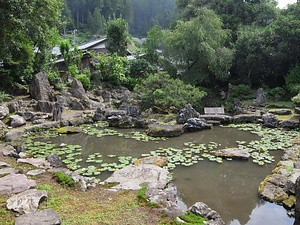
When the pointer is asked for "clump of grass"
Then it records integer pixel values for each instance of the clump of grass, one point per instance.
(4, 96)
(191, 218)
(142, 197)
(64, 179)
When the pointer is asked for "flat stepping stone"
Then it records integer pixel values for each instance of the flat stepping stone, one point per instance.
(26, 201)
(4, 164)
(35, 172)
(235, 153)
(8, 171)
(37, 162)
(135, 177)
(15, 183)
(42, 217)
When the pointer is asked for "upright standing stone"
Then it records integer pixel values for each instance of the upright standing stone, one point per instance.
(40, 88)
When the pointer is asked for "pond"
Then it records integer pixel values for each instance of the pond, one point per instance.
(229, 187)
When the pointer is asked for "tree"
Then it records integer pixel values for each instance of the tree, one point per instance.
(198, 48)
(117, 37)
(28, 26)
(152, 44)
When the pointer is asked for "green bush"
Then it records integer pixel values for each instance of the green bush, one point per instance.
(292, 79)
(159, 91)
(85, 80)
(241, 91)
(191, 218)
(278, 91)
(64, 179)
(4, 96)
(296, 99)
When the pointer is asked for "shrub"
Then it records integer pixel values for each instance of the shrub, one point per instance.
(164, 93)
(296, 99)
(85, 80)
(242, 91)
(64, 179)
(276, 92)
(292, 79)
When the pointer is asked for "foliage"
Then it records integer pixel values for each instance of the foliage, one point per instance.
(296, 99)
(152, 44)
(292, 79)
(276, 92)
(64, 179)
(198, 48)
(164, 93)
(241, 91)
(191, 218)
(138, 68)
(117, 37)
(111, 68)
(4, 96)
(28, 27)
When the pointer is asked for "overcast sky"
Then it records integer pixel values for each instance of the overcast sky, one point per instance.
(283, 3)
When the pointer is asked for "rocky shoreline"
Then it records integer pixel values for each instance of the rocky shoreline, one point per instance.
(46, 109)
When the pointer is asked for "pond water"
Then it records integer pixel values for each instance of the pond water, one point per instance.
(229, 187)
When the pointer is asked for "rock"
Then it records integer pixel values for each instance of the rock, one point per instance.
(272, 192)
(37, 162)
(196, 124)
(17, 121)
(35, 172)
(167, 198)
(134, 177)
(236, 153)
(246, 118)
(112, 112)
(57, 112)
(186, 113)
(121, 121)
(27, 201)
(77, 90)
(15, 183)
(42, 217)
(8, 150)
(14, 135)
(164, 130)
(13, 107)
(237, 105)
(282, 112)
(54, 160)
(290, 124)
(99, 114)
(75, 104)
(297, 110)
(4, 164)
(269, 120)
(45, 126)
(3, 130)
(297, 207)
(133, 111)
(40, 88)
(44, 106)
(69, 130)
(260, 97)
(7, 171)
(201, 209)
(152, 160)
(224, 119)
(27, 115)
(4, 111)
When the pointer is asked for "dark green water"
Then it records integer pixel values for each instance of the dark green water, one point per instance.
(230, 188)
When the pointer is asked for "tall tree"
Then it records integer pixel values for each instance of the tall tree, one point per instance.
(28, 26)
(117, 37)
(198, 48)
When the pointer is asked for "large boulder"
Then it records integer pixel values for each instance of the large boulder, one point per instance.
(15, 183)
(135, 177)
(196, 124)
(270, 120)
(37, 162)
(4, 111)
(260, 97)
(235, 153)
(186, 113)
(45, 106)
(17, 121)
(27, 201)
(246, 118)
(289, 124)
(54, 160)
(77, 90)
(201, 209)
(40, 88)
(165, 130)
(42, 217)
(14, 135)
(121, 121)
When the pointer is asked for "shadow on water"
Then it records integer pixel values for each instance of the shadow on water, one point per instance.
(229, 188)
